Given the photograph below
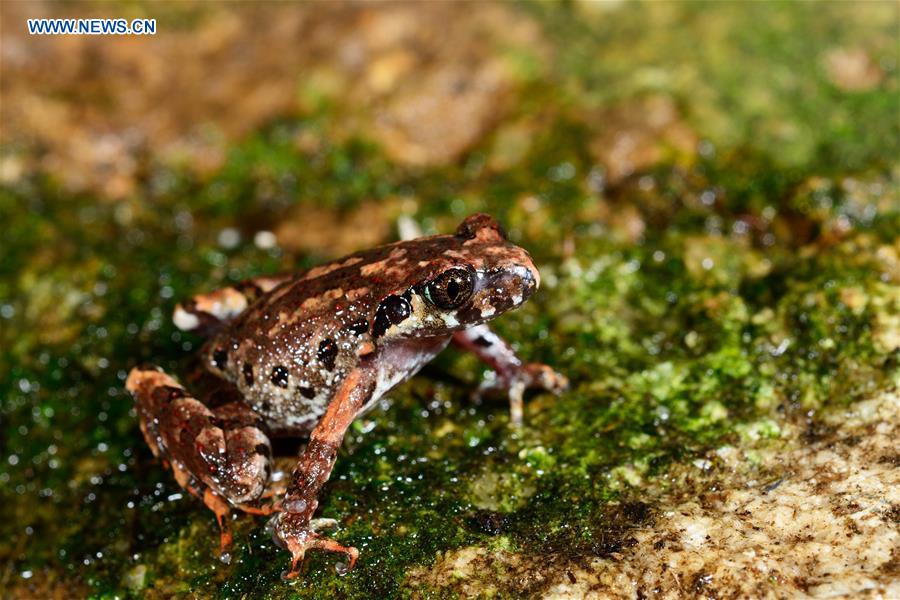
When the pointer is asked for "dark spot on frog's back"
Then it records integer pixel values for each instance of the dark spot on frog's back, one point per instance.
(262, 449)
(168, 393)
(327, 353)
(391, 311)
(359, 327)
(248, 374)
(280, 376)
(220, 358)
(307, 392)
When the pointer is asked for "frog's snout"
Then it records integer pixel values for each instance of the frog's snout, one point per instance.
(524, 269)
(530, 281)
(521, 282)
(533, 277)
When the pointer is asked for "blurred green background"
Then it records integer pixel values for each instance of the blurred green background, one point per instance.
(709, 189)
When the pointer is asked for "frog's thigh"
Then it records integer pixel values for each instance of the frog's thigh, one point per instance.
(204, 313)
(223, 449)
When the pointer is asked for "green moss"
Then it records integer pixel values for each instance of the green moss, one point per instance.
(742, 71)
(721, 321)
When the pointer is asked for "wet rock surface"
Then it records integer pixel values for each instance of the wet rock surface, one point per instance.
(784, 519)
(98, 113)
(710, 194)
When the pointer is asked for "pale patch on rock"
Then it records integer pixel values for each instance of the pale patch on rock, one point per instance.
(477, 572)
(852, 70)
(816, 520)
(335, 233)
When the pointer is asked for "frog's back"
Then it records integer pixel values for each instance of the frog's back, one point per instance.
(290, 349)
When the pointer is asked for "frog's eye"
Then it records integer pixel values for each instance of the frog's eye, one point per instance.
(451, 288)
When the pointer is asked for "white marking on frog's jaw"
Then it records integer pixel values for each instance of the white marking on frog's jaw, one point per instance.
(488, 312)
(184, 320)
(424, 316)
(417, 317)
(517, 299)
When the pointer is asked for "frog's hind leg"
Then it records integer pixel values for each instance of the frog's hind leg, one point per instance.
(511, 374)
(219, 454)
(206, 313)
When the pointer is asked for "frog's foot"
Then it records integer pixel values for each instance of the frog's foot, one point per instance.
(297, 534)
(510, 375)
(206, 313)
(220, 455)
(515, 380)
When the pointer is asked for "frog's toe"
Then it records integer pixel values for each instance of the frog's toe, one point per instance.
(540, 376)
(223, 515)
(291, 533)
(516, 381)
(322, 524)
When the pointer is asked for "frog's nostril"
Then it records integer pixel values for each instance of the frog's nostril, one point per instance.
(528, 289)
(524, 285)
(533, 278)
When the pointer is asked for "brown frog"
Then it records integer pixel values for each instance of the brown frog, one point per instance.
(304, 354)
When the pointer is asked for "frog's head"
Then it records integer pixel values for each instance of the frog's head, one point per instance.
(468, 278)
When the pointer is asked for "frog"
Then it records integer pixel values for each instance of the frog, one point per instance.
(304, 354)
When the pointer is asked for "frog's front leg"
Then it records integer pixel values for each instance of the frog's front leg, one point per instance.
(292, 528)
(219, 454)
(511, 374)
(206, 313)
